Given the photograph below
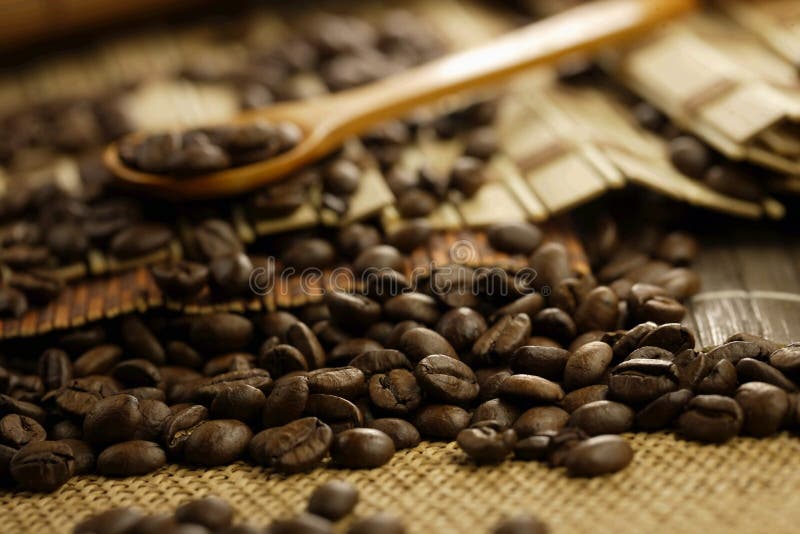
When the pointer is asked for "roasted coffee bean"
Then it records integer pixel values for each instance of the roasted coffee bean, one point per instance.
(555, 324)
(286, 402)
(551, 263)
(602, 417)
(539, 420)
(420, 342)
(113, 521)
(561, 443)
(180, 425)
(652, 303)
(217, 442)
(441, 421)
(403, 434)
(530, 304)
(663, 411)
(764, 407)
(414, 203)
(720, 380)
(331, 336)
(501, 412)
(210, 512)
(379, 257)
(671, 336)
(412, 234)
(351, 311)
(446, 379)
(339, 413)
(547, 362)
(182, 354)
(276, 324)
(181, 280)
(378, 361)
(280, 360)
(499, 342)
(711, 418)
(341, 176)
(112, 420)
(468, 175)
(651, 353)
(81, 394)
(10, 405)
(530, 389)
(309, 253)
(735, 351)
(678, 248)
(412, 307)
(690, 156)
(231, 276)
(214, 238)
(514, 237)
(347, 382)
(131, 458)
(382, 523)
(638, 382)
(139, 239)
(140, 342)
(362, 448)
(238, 401)
(577, 398)
(395, 392)
(333, 500)
(487, 442)
(348, 350)
(55, 369)
(301, 524)
(221, 332)
(378, 333)
(66, 429)
(767, 346)
(297, 446)
(598, 456)
(587, 365)
(632, 339)
(648, 117)
(750, 370)
(235, 361)
(136, 373)
(461, 327)
(599, 310)
(303, 338)
(83, 455)
(385, 284)
(489, 380)
(18, 430)
(42, 465)
(210, 388)
(97, 360)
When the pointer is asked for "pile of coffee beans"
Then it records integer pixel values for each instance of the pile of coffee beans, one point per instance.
(210, 149)
(329, 503)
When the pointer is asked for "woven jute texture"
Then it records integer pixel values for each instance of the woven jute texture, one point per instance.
(671, 486)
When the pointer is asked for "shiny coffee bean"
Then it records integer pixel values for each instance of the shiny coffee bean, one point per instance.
(217, 442)
(333, 500)
(587, 365)
(598, 456)
(711, 418)
(362, 448)
(578, 397)
(396, 392)
(602, 417)
(515, 237)
(402, 433)
(210, 512)
(130, 458)
(547, 362)
(764, 407)
(487, 442)
(419, 343)
(640, 381)
(441, 421)
(461, 327)
(499, 342)
(663, 411)
(446, 379)
(539, 420)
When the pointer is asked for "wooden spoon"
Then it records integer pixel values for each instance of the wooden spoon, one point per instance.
(329, 120)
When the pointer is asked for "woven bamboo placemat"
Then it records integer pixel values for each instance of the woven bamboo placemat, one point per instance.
(671, 486)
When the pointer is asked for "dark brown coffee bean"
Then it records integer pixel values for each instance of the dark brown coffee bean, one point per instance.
(302, 337)
(339, 413)
(297, 446)
(638, 382)
(16, 431)
(764, 407)
(587, 365)
(276, 324)
(98, 360)
(379, 361)
(83, 454)
(333, 500)
(539, 420)
(362, 448)
(514, 237)
(182, 354)
(217, 442)
(551, 263)
(180, 425)
(206, 391)
(210, 512)
(140, 342)
(412, 307)
(414, 203)
(530, 389)
(787, 359)
(598, 456)
(351, 311)
(331, 336)
(602, 417)
(395, 392)
(735, 351)
(767, 346)
(651, 353)
(468, 175)
(547, 362)
(446, 379)
(112, 420)
(280, 360)
(215, 237)
(42, 465)
(678, 248)
(577, 398)
(750, 370)
(690, 156)
(65, 429)
(720, 380)
(342, 177)
(461, 327)
(232, 276)
(671, 336)
(711, 418)
(131, 458)
(301, 524)
(309, 253)
(238, 401)
(499, 342)
(286, 402)
(347, 382)
(487, 442)
(418, 343)
(649, 117)
(235, 361)
(181, 280)
(221, 332)
(521, 524)
(114, 521)
(10, 405)
(403, 434)
(441, 421)
(663, 411)
(55, 369)
(501, 412)
(632, 339)
(80, 395)
(530, 304)
(136, 373)
(555, 324)
(139, 239)
(599, 310)
(412, 234)
(379, 257)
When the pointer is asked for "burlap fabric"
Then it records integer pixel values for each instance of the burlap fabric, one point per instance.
(671, 486)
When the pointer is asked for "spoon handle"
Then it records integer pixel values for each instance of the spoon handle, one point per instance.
(582, 29)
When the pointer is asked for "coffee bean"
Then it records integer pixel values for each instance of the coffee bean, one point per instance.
(414, 233)
(55, 369)
(221, 332)
(551, 263)
(514, 237)
(303, 523)
(372, 362)
(235, 361)
(112, 420)
(487, 442)
(461, 327)
(735, 351)
(489, 380)
(395, 392)
(210, 512)
(641, 381)
(81, 394)
(180, 425)
(303, 338)
(83, 455)
(412, 307)
(347, 382)
(18, 430)
(539, 420)
(602, 417)
(750, 370)
(351, 311)
(139, 239)
(414, 203)
(140, 341)
(97, 360)
(379, 257)
(181, 280)
(764, 407)
(598, 456)
(231, 276)
(379, 523)
(577, 398)
(131, 458)
(333, 500)
(499, 342)
(530, 389)
(587, 365)
(547, 362)
(672, 337)
(711, 418)
(42, 465)
(651, 353)
(690, 156)
(787, 359)
(403, 434)
(648, 117)
(663, 411)
(521, 524)
(217, 442)
(136, 373)
(113, 521)
(286, 402)
(599, 310)
(281, 359)
(362, 448)
(10, 405)
(441, 421)
(309, 253)
(468, 175)
(555, 324)
(420, 342)
(446, 379)
(238, 401)
(720, 380)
